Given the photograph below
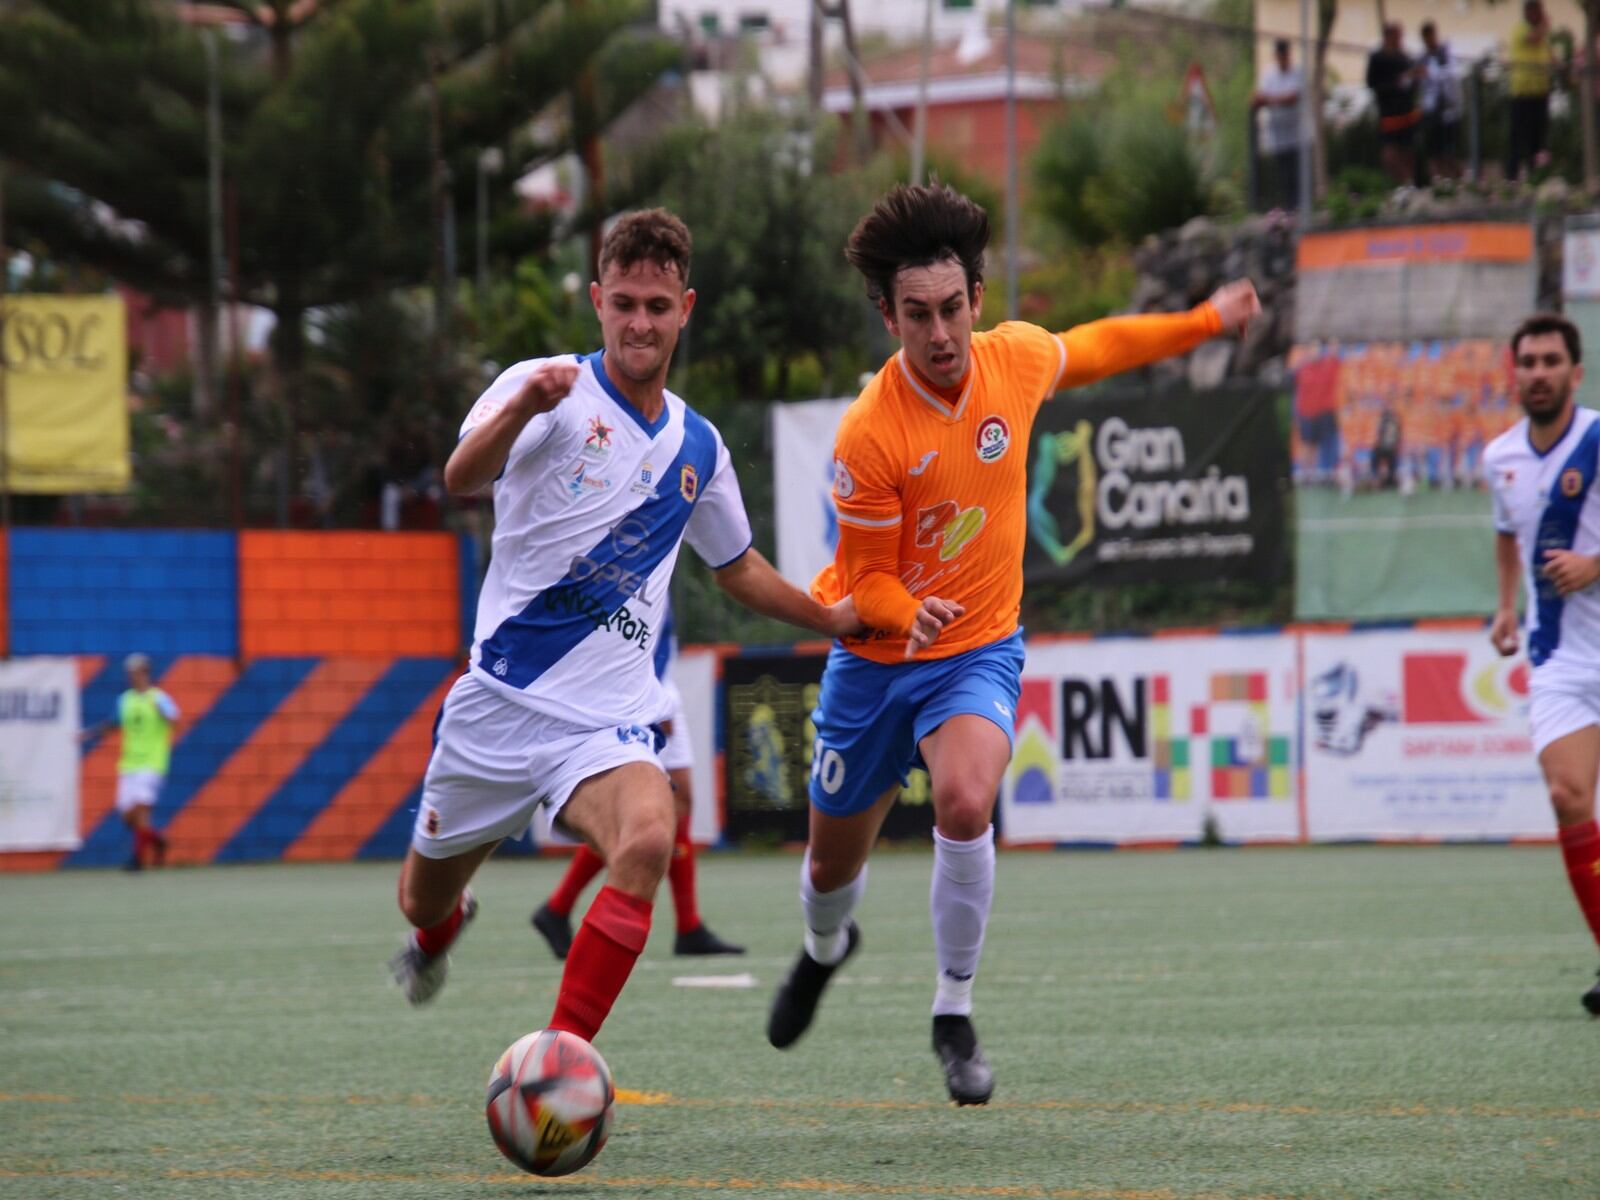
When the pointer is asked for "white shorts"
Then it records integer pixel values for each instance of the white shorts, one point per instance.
(679, 752)
(1562, 699)
(136, 789)
(496, 761)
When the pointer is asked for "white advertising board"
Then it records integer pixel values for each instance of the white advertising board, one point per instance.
(1419, 734)
(802, 481)
(39, 754)
(1129, 740)
(695, 673)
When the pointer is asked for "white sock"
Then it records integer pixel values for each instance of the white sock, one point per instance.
(826, 913)
(959, 901)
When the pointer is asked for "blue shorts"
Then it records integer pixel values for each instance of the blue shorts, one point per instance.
(871, 716)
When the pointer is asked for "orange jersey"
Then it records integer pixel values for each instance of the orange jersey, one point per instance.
(932, 492)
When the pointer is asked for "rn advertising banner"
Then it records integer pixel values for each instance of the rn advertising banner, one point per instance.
(1419, 734)
(66, 363)
(802, 463)
(768, 748)
(38, 754)
(1127, 740)
(1133, 487)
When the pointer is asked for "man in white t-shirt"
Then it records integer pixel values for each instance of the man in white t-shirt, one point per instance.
(1547, 523)
(598, 473)
(1278, 100)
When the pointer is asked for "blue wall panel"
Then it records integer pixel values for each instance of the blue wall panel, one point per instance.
(113, 591)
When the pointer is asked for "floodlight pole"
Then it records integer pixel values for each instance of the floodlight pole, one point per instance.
(213, 336)
(1307, 113)
(1011, 160)
(919, 127)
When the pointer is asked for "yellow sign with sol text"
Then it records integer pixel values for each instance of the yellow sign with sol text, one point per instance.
(66, 409)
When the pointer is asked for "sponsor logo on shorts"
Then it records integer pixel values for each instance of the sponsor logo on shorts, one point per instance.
(430, 820)
(994, 439)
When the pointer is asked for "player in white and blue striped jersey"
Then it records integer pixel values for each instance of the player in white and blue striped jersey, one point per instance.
(1542, 472)
(599, 474)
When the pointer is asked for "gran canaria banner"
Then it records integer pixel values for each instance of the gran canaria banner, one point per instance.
(1134, 487)
(66, 371)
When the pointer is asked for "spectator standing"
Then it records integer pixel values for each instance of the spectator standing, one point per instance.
(1441, 106)
(1278, 99)
(1530, 71)
(1392, 76)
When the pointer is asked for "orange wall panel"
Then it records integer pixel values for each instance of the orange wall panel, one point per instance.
(348, 593)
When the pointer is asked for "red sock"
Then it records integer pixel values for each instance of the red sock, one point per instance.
(144, 843)
(585, 865)
(613, 933)
(437, 938)
(680, 874)
(1580, 846)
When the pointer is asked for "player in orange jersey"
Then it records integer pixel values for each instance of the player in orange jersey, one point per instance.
(930, 482)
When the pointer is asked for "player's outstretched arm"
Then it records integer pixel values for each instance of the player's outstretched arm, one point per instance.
(756, 584)
(1507, 569)
(479, 457)
(1117, 344)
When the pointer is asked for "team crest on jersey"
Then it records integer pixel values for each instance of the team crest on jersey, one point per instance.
(689, 482)
(597, 444)
(1571, 482)
(844, 484)
(994, 439)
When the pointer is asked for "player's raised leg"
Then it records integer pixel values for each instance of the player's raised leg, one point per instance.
(1571, 765)
(966, 757)
(435, 898)
(693, 937)
(553, 918)
(833, 879)
(626, 813)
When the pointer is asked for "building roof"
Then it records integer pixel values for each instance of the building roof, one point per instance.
(973, 68)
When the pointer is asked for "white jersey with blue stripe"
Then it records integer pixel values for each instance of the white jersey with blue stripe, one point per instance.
(589, 514)
(1549, 501)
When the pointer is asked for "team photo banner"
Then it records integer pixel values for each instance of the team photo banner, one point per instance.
(1419, 734)
(1139, 487)
(1130, 740)
(39, 754)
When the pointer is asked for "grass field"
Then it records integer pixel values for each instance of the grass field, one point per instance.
(1380, 555)
(1336, 1022)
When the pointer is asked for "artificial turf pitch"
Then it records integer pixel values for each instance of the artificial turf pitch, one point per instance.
(1334, 1022)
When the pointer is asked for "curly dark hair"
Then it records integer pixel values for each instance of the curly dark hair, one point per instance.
(1542, 323)
(916, 225)
(649, 234)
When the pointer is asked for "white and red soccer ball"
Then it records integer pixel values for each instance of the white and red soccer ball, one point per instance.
(550, 1102)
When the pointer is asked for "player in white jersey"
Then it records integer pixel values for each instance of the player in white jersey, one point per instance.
(1542, 472)
(598, 474)
(553, 918)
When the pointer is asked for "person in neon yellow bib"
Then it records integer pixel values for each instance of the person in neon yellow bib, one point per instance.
(146, 715)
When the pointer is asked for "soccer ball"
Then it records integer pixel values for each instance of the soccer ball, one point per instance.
(550, 1102)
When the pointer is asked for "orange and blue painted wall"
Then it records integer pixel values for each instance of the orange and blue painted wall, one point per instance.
(309, 668)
